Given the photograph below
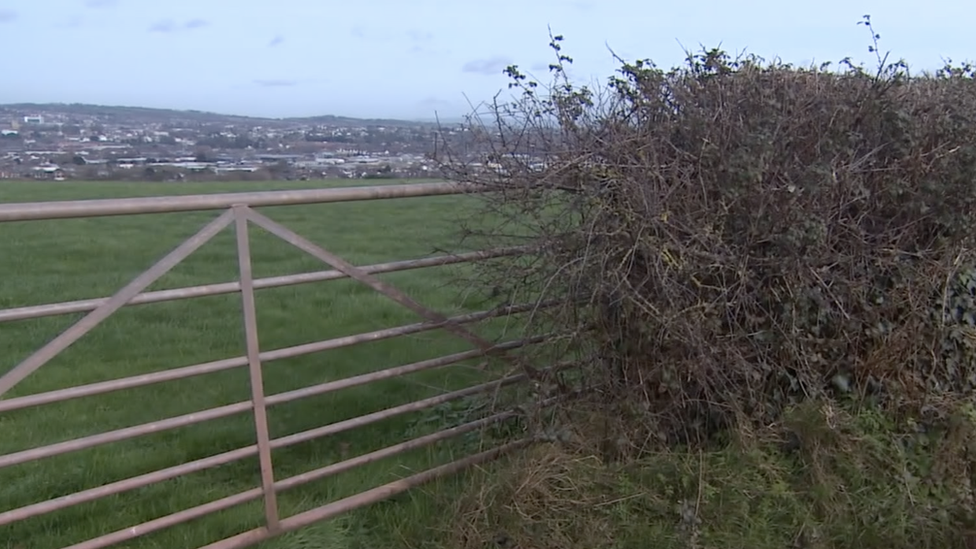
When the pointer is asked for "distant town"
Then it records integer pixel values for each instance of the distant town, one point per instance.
(88, 142)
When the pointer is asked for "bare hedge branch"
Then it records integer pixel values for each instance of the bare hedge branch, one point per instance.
(743, 234)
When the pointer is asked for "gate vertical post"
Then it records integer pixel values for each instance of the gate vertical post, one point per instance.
(254, 363)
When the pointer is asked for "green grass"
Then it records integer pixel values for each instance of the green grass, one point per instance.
(51, 261)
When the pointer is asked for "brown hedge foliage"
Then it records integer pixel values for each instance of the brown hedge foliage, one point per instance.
(744, 234)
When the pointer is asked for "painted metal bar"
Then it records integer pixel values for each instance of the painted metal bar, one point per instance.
(363, 379)
(363, 499)
(168, 521)
(83, 305)
(231, 409)
(30, 211)
(251, 495)
(416, 406)
(73, 445)
(389, 451)
(94, 318)
(252, 343)
(118, 487)
(44, 507)
(354, 272)
(173, 374)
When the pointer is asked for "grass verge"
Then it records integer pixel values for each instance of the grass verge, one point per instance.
(829, 476)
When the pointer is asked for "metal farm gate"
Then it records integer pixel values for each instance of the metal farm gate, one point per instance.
(237, 210)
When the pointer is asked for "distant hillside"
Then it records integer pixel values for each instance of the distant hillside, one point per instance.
(150, 115)
(329, 119)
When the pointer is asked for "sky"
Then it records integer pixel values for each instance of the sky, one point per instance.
(412, 59)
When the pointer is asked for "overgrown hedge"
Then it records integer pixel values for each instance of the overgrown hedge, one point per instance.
(743, 234)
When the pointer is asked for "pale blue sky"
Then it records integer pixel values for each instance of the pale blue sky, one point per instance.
(408, 58)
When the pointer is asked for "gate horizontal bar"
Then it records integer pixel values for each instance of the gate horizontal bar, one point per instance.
(203, 368)
(126, 433)
(362, 499)
(82, 305)
(253, 494)
(390, 451)
(120, 486)
(31, 211)
(231, 409)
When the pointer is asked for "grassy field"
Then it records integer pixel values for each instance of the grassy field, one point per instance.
(51, 261)
(832, 475)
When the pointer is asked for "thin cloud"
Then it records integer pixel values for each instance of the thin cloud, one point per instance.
(421, 41)
(275, 83)
(168, 26)
(164, 26)
(491, 66)
(101, 3)
(420, 36)
(276, 41)
(72, 22)
(434, 102)
(6, 16)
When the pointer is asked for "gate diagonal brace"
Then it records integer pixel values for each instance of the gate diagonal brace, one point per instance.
(364, 277)
(87, 323)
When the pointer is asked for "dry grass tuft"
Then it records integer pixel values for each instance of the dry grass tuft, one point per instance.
(546, 498)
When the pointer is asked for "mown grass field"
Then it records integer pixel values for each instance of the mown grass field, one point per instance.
(52, 261)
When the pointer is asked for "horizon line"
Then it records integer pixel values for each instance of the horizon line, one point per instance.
(234, 115)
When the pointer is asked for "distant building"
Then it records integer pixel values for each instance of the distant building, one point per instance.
(49, 171)
(37, 119)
